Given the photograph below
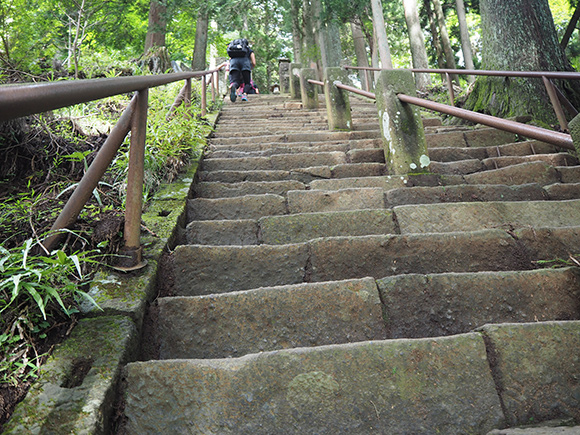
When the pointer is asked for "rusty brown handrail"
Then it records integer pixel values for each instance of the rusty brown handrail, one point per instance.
(562, 140)
(27, 99)
(556, 97)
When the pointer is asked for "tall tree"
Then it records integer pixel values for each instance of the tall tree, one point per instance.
(297, 32)
(200, 46)
(155, 55)
(445, 42)
(381, 32)
(418, 50)
(571, 27)
(360, 50)
(465, 40)
(519, 35)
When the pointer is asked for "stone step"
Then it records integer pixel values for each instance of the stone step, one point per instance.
(472, 216)
(500, 375)
(292, 147)
(281, 162)
(477, 137)
(220, 269)
(229, 190)
(293, 228)
(310, 201)
(417, 306)
(523, 173)
(239, 207)
(239, 323)
(304, 175)
(355, 152)
(313, 136)
(450, 154)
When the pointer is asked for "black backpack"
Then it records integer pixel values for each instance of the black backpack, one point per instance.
(238, 48)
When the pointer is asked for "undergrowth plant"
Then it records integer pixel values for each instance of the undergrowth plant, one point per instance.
(33, 289)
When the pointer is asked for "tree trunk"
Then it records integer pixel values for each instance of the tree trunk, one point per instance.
(418, 50)
(311, 53)
(571, 27)
(360, 50)
(519, 35)
(445, 42)
(157, 25)
(381, 30)
(199, 49)
(375, 55)
(465, 41)
(297, 34)
(435, 35)
(333, 47)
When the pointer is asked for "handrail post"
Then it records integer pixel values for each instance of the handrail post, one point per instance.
(308, 91)
(401, 125)
(216, 78)
(337, 101)
(450, 89)
(294, 81)
(556, 103)
(132, 251)
(203, 96)
(187, 96)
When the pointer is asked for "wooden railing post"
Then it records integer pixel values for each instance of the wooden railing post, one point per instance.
(132, 251)
(203, 96)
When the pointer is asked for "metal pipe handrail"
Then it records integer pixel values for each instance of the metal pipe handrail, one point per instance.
(562, 140)
(556, 97)
(26, 99)
(563, 75)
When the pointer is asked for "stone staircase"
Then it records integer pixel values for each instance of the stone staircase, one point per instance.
(316, 294)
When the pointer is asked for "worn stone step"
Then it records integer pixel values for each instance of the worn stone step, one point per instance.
(292, 147)
(418, 306)
(477, 137)
(445, 384)
(400, 386)
(385, 182)
(304, 175)
(293, 228)
(452, 217)
(283, 162)
(299, 137)
(220, 269)
(536, 367)
(466, 193)
(562, 192)
(310, 201)
(513, 149)
(556, 159)
(236, 324)
(239, 207)
(228, 190)
(524, 173)
(569, 174)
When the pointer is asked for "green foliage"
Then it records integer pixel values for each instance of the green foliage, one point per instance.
(171, 140)
(33, 289)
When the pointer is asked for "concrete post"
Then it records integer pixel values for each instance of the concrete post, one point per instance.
(284, 72)
(574, 127)
(295, 80)
(308, 91)
(401, 124)
(337, 101)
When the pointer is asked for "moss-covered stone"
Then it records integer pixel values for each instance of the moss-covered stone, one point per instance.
(308, 91)
(337, 101)
(92, 357)
(401, 127)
